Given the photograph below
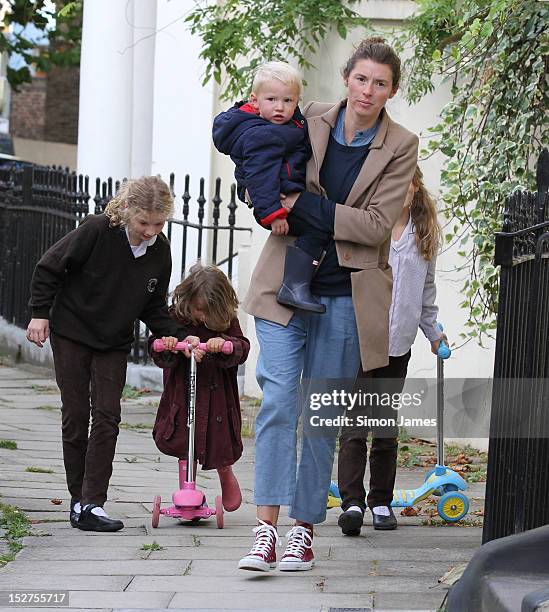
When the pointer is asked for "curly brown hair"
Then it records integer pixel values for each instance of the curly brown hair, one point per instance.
(148, 193)
(424, 216)
(208, 287)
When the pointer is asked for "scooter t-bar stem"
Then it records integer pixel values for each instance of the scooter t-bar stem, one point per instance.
(443, 353)
(159, 346)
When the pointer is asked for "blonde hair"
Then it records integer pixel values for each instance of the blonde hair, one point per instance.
(280, 71)
(148, 194)
(210, 286)
(424, 217)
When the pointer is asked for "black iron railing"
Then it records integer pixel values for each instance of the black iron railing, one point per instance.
(39, 205)
(517, 490)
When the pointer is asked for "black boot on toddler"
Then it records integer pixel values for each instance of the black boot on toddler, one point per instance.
(299, 269)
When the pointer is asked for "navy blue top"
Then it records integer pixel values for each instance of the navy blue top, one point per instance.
(339, 171)
(269, 158)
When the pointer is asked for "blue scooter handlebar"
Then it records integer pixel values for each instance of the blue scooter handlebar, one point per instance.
(443, 349)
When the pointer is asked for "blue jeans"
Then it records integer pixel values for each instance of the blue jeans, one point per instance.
(312, 346)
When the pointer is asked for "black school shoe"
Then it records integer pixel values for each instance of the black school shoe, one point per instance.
(350, 522)
(74, 516)
(89, 521)
(384, 523)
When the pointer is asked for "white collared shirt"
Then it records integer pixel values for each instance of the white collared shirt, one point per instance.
(414, 292)
(140, 249)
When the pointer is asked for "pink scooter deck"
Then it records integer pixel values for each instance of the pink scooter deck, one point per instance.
(188, 514)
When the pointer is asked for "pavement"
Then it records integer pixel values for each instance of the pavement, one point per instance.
(194, 567)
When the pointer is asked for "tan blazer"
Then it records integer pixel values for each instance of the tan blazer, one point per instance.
(362, 231)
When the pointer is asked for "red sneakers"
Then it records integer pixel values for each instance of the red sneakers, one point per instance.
(298, 555)
(262, 557)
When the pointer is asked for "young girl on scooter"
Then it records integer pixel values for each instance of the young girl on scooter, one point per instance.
(205, 304)
(415, 241)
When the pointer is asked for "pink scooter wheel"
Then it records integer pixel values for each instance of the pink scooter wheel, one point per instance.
(219, 512)
(156, 511)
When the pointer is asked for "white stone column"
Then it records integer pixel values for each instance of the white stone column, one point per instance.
(106, 73)
(144, 42)
(182, 117)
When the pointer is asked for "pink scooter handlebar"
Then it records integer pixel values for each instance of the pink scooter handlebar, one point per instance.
(158, 346)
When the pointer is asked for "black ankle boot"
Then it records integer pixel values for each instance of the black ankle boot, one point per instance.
(299, 268)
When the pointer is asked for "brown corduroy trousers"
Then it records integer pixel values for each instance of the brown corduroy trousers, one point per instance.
(91, 384)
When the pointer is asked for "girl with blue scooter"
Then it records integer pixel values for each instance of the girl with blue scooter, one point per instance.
(415, 241)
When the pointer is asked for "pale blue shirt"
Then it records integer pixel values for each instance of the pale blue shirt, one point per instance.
(360, 139)
(414, 292)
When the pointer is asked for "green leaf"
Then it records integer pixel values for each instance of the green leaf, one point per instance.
(487, 29)
(342, 30)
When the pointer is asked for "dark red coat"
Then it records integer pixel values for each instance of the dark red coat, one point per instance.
(218, 422)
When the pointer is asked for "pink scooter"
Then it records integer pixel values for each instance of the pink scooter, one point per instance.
(189, 503)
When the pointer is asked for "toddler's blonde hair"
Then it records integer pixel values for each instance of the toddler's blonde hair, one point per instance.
(148, 194)
(280, 71)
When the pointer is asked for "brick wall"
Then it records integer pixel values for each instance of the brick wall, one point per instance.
(62, 94)
(47, 108)
(28, 110)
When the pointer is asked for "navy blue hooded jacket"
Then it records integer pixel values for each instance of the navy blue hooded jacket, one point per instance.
(270, 158)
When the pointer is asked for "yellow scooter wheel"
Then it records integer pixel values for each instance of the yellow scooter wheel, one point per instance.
(453, 506)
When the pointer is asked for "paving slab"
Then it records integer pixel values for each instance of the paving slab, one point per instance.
(20, 581)
(193, 567)
(91, 600)
(279, 600)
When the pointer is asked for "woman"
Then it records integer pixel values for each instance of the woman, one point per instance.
(357, 179)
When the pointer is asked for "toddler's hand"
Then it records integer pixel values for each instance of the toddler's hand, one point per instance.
(169, 343)
(215, 345)
(198, 354)
(279, 227)
(194, 341)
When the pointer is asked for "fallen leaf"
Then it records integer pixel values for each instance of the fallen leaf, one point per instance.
(463, 459)
(409, 511)
(453, 574)
(56, 501)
